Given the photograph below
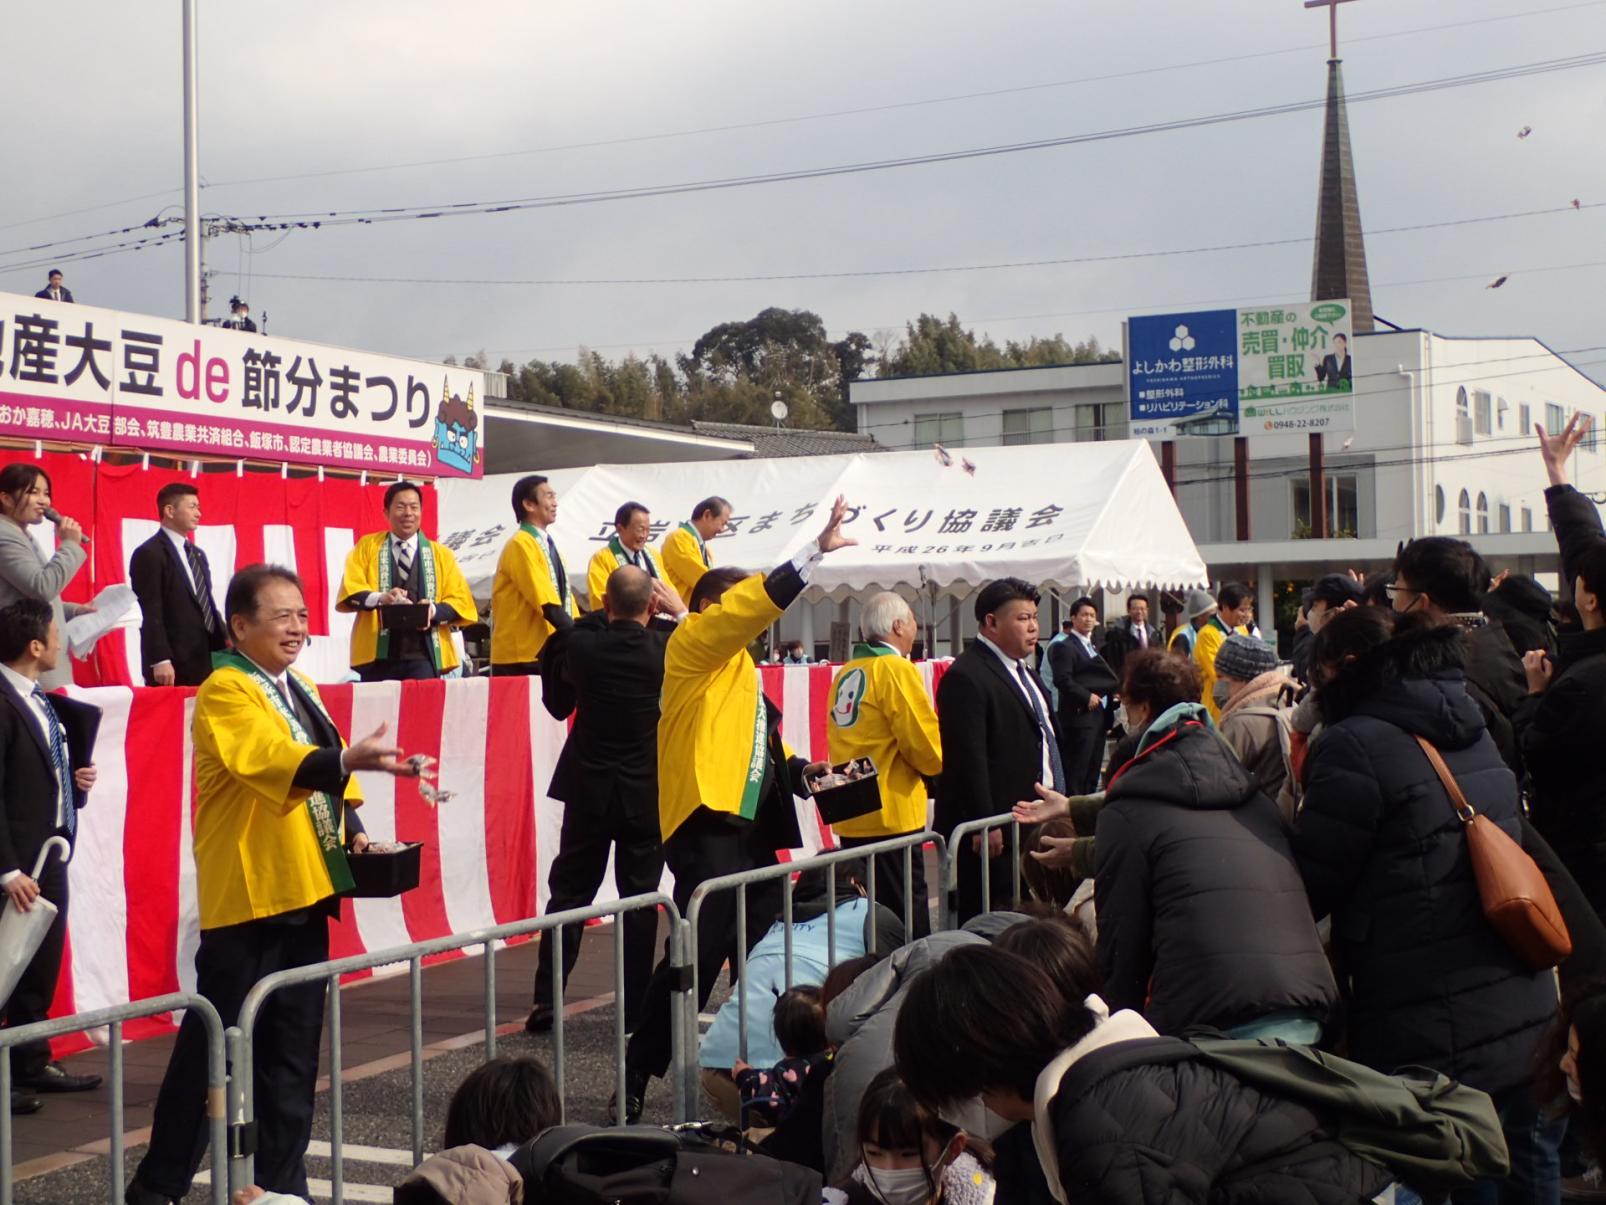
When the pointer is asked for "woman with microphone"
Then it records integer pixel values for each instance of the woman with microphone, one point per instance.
(24, 571)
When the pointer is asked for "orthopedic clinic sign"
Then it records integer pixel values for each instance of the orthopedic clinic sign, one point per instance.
(77, 374)
(1263, 370)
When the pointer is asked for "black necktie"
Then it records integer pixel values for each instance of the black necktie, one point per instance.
(203, 584)
(1047, 733)
(557, 568)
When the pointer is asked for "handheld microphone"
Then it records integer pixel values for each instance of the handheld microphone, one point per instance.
(55, 516)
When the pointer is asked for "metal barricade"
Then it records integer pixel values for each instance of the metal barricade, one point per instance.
(913, 845)
(242, 1106)
(113, 1019)
(950, 868)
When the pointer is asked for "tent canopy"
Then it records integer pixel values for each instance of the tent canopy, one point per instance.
(1063, 515)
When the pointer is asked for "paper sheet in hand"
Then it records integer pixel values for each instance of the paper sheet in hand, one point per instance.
(115, 607)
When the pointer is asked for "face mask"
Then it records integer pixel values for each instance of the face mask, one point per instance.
(975, 1118)
(903, 1186)
(1222, 693)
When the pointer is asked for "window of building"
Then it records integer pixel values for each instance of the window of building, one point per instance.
(1463, 507)
(1034, 426)
(1502, 409)
(1592, 437)
(1343, 507)
(1555, 419)
(1482, 412)
(939, 429)
(1438, 504)
(1505, 517)
(1483, 514)
(1527, 519)
(1100, 421)
(1463, 417)
(1527, 414)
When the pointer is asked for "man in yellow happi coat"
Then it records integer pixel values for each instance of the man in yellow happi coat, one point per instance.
(1235, 612)
(529, 578)
(685, 551)
(725, 779)
(880, 709)
(274, 822)
(632, 528)
(397, 567)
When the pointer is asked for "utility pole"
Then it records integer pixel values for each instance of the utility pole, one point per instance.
(194, 299)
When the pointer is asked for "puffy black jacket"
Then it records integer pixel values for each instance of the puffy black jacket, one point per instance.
(1128, 1131)
(1202, 916)
(1382, 851)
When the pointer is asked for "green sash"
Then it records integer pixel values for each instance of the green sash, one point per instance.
(321, 806)
(756, 761)
(541, 538)
(873, 650)
(426, 570)
(1220, 626)
(622, 556)
(702, 548)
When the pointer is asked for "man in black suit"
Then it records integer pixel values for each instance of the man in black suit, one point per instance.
(998, 736)
(1127, 636)
(1334, 370)
(55, 290)
(607, 668)
(173, 582)
(45, 774)
(1086, 686)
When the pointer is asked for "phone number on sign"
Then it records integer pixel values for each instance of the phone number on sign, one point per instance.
(1298, 424)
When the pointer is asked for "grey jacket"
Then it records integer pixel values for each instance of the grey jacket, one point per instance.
(25, 573)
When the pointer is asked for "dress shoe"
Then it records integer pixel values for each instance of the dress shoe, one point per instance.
(635, 1095)
(138, 1194)
(23, 1103)
(56, 1078)
(539, 1020)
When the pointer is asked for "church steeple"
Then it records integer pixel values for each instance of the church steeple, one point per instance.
(1340, 258)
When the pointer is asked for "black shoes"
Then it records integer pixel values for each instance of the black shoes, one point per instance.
(635, 1095)
(56, 1078)
(23, 1103)
(539, 1020)
(138, 1194)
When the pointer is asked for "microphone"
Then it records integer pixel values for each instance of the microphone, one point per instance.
(55, 516)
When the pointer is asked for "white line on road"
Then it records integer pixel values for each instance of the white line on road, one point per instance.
(323, 1190)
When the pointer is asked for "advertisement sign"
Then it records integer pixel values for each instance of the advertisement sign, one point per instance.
(77, 374)
(1254, 371)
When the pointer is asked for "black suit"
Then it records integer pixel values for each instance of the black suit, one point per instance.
(1333, 374)
(174, 625)
(992, 758)
(1121, 641)
(610, 675)
(1078, 676)
(27, 819)
(44, 295)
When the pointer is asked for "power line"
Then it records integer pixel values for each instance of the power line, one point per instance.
(316, 219)
(809, 117)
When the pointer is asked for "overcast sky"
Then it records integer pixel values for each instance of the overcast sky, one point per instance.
(318, 89)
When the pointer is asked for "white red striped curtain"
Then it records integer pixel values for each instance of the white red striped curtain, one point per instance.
(132, 929)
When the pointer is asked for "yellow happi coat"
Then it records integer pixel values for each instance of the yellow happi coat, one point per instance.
(685, 559)
(256, 852)
(880, 709)
(1211, 637)
(522, 586)
(603, 562)
(711, 734)
(362, 577)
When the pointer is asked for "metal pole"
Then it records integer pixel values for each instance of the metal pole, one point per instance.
(193, 310)
(114, 1047)
(337, 1120)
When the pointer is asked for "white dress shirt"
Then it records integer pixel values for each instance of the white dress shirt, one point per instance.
(45, 721)
(183, 545)
(1043, 732)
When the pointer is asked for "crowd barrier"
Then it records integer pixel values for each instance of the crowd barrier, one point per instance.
(113, 1019)
(950, 866)
(242, 1106)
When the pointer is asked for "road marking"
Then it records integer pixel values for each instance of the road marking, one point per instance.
(396, 1157)
(323, 1190)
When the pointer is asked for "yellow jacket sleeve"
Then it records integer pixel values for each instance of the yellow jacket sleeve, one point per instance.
(682, 563)
(362, 570)
(708, 639)
(1204, 658)
(451, 587)
(252, 740)
(603, 563)
(914, 721)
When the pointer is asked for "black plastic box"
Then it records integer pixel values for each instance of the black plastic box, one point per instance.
(381, 875)
(404, 617)
(851, 800)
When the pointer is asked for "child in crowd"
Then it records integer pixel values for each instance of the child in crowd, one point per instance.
(767, 1097)
(908, 1156)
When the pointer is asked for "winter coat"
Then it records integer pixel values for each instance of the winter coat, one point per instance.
(1202, 917)
(1497, 684)
(1562, 731)
(1382, 851)
(462, 1175)
(1255, 723)
(1115, 1129)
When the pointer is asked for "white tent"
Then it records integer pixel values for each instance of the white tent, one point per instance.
(1063, 515)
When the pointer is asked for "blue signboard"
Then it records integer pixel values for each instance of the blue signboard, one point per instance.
(1182, 374)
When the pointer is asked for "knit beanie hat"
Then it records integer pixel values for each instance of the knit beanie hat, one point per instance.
(1244, 658)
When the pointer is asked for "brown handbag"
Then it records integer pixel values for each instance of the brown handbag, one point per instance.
(1516, 898)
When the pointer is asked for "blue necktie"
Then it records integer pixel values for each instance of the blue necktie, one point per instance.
(1042, 726)
(58, 758)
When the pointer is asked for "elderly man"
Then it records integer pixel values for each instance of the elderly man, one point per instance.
(632, 527)
(529, 577)
(880, 709)
(274, 822)
(686, 555)
(399, 567)
(1197, 608)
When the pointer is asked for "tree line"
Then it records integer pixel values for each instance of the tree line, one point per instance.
(735, 370)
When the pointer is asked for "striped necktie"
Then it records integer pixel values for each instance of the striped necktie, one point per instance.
(66, 814)
(201, 575)
(404, 559)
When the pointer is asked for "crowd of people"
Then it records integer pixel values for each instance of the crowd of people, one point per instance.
(1254, 958)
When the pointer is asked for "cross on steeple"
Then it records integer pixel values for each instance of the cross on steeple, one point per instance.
(1332, 21)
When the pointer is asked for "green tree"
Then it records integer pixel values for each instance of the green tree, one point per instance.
(932, 345)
